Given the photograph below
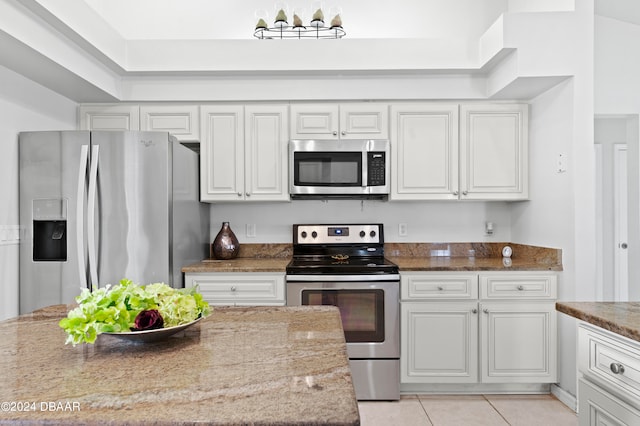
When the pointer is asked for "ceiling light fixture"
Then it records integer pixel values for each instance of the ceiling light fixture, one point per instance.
(285, 27)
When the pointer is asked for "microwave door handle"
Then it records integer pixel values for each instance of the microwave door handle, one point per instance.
(365, 167)
(82, 179)
(91, 215)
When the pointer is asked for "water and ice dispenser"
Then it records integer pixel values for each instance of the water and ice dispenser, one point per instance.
(50, 230)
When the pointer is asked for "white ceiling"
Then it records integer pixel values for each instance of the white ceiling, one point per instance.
(220, 19)
(623, 10)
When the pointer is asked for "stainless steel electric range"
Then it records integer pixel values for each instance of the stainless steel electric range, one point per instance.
(344, 265)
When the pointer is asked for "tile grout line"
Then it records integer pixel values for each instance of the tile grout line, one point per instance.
(496, 409)
(425, 411)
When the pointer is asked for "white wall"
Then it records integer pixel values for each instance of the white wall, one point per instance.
(616, 69)
(24, 105)
(617, 97)
(561, 212)
(426, 221)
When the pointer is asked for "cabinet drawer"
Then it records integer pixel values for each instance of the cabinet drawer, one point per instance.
(598, 407)
(518, 286)
(227, 289)
(610, 360)
(439, 286)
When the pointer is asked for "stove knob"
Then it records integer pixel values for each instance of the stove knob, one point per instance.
(362, 234)
(372, 234)
(314, 234)
(303, 234)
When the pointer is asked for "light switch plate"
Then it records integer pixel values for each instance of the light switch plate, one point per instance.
(251, 230)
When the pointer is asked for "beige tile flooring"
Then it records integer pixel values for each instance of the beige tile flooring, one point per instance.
(468, 410)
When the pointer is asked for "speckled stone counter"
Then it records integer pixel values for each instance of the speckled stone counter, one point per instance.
(622, 318)
(251, 258)
(408, 256)
(259, 366)
(472, 257)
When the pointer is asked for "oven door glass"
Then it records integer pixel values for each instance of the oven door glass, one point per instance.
(362, 311)
(327, 168)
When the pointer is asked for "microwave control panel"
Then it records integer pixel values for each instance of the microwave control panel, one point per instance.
(376, 169)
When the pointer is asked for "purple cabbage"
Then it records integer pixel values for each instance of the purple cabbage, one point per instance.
(148, 320)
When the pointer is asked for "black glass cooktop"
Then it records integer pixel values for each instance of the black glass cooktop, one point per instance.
(341, 264)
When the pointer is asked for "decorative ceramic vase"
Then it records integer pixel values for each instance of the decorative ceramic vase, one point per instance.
(225, 245)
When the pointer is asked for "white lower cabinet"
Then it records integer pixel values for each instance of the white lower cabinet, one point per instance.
(597, 407)
(456, 329)
(609, 386)
(439, 342)
(518, 342)
(239, 289)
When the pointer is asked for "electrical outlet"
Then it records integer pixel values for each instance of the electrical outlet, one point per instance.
(251, 230)
(402, 229)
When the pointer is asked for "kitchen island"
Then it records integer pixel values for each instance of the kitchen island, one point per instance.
(622, 318)
(608, 361)
(259, 365)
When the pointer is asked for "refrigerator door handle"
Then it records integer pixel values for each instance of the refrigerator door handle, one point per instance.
(82, 179)
(91, 211)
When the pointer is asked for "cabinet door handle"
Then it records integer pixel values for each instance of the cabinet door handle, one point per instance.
(233, 288)
(485, 310)
(335, 133)
(474, 310)
(239, 194)
(440, 288)
(464, 192)
(344, 133)
(455, 193)
(248, 194)
(617, 368)
(520, 287)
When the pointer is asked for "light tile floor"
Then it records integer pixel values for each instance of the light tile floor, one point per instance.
(468, 410)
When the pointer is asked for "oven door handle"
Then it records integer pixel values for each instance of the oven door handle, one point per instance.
(344, 278)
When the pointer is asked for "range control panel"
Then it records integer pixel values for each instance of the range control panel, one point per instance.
(338, 234)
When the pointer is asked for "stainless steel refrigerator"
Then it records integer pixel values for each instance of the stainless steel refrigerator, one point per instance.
(96, 207)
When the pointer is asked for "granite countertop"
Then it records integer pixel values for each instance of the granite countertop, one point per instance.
(408, 256)
(242, 264)
(469, 264)
(260, 366)
(622, 318)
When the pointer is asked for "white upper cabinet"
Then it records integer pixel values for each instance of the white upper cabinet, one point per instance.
(424, 151)
(266, 139)
(182, 121)
(109, 117)
(340, 121)
(179, 120)
(222, 153)
(480, 153)
(243, 153)
(494, 152)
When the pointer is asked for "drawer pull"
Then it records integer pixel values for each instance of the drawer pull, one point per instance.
(520, 287)
(233, 288)
(617, 368)
(440, 288)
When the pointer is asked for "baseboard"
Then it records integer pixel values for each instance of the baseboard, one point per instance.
(565, 397)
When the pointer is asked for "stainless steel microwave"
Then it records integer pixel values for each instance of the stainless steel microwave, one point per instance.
(339, 168)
